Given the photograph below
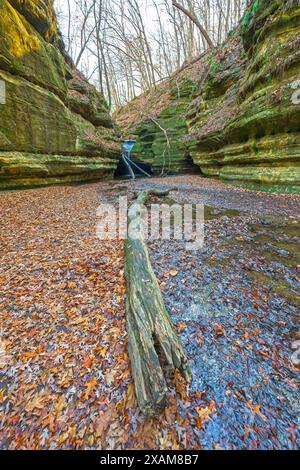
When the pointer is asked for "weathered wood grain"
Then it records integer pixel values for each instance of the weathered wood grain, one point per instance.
(149, 326)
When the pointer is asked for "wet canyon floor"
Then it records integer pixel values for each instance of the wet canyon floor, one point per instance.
(236, 306)
(65, 377)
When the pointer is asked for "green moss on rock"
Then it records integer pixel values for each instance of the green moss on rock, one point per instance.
(244, 125)
(238, 115)
(157, 120)
(54, 126)
(25, 170)
(160, 139)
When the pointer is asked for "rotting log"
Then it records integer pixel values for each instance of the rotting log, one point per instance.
(150, 330)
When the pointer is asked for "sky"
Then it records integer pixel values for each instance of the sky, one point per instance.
(88, 63)
(149, 11)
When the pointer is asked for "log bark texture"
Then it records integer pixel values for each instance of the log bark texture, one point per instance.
(149, 326)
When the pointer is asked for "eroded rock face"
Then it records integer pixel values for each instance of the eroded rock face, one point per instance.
(239, 117)
(54, 126)
(157, 121)
(244, 123)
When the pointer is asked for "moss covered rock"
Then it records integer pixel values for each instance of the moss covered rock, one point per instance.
(236, 111)
(157, 121)
(54, 126)
(244, 123)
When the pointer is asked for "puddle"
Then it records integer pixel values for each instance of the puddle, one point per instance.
(237, 305)
(276, 285)
(211, 213)
(271, 244)
(275, 251)
(202, 307)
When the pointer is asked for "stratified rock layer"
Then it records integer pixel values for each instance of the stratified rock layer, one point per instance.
(244, 123)
(236, 111)
(54, 126)
(157, 121)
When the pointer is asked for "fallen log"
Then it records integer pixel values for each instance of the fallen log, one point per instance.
(150, 330)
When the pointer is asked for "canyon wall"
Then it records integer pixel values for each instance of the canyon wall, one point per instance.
(157, 120)
(244, 121)
(54, 126)
(236, 111)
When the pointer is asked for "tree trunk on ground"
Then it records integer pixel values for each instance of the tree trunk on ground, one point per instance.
(149, 326)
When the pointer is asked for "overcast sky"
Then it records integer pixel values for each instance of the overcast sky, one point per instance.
(114, 45)
(88, 62)
(149, 11)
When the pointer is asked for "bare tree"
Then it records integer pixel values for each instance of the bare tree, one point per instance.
(126, 47)
(195, 20)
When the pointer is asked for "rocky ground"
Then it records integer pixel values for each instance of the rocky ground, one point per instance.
(65, 375)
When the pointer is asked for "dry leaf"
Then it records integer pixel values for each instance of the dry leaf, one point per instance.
(90, 388)
(36, 403)
(173, 272)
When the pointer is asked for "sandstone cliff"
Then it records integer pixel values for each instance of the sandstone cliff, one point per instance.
(54, 126)
(238, 120)
(157, 119)
(244, 124)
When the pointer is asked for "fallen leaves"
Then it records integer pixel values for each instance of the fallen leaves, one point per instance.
(63, 317)
(237, 326)
(255, 410)
(130, 400)
(90, 388)
(36, 403)
(2, 396)
(173, 272)
(219, 330)
(27, 355)
(180, 327)
(64, 349)
(204, 413)
(110, 377)
(4, 358)
(180, 385)
(104, 420)
(101, 351)
(80, 321)
(88, 362)
(60, 404)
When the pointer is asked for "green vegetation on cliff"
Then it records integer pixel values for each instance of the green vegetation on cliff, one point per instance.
(54, 126)
(157, 120)
(259, 141)
(238, 120)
